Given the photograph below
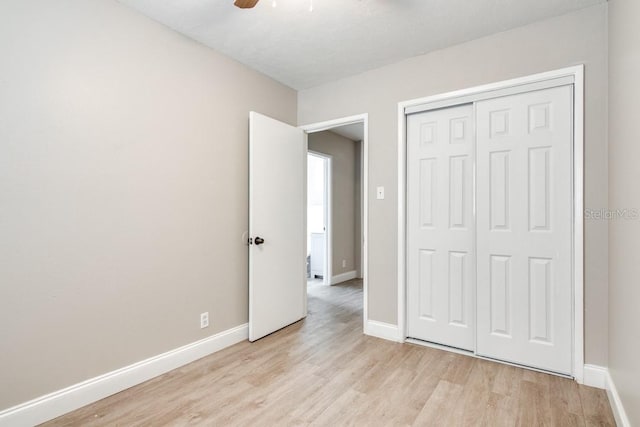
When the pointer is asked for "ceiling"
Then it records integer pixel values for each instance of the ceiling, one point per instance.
(339, 38)
(354, 132)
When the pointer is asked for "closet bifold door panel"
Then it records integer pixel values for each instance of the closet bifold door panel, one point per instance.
(440, 227)
(524, 228)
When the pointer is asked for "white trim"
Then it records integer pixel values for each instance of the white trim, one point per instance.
(491, 94)
(402, 223)
(365, 222)
(386, 331)
(595, 376)
(330, 124)
(305, 303)
(328, 211)
(454, 97)
(600, 377)
(622, 420)
(451, 98)
(76, 396)
(343, 277)
(578, 224)
(327, 125)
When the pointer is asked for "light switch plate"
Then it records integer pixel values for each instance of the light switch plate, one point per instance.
(380, 193)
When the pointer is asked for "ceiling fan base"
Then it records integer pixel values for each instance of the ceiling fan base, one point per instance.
(245, 4)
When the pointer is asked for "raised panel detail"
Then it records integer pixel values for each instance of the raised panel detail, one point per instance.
(500, 289)
(499, 123)
(524, 230)
(428, 133)
(457, 191)
(457, 288)
(539, 189)
(425, 267)
(458, 130)
(539, 117)
(428, 191)
(499, 190)
(540, 301)
(440, 232)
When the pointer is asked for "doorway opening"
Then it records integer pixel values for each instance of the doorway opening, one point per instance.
(318, 217)
(336, 208)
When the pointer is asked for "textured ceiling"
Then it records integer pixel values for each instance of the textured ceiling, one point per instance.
(354, 132)
(340, 38)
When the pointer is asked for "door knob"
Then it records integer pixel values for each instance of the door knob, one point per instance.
(258, 240)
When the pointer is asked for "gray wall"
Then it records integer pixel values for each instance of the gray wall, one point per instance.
(624, 178)
(123, 190)
(344, 191)
(577, 38)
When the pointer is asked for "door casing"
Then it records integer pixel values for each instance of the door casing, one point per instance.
(513, 86)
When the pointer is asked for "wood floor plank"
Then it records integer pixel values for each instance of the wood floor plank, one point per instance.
(508, 379)
(459, 369)
(323, 371)
(438, 411)
(596, 407)
(474, 400)
(534, 406)
(566, 406)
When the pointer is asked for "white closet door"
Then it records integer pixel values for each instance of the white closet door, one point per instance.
(524, 222)
(440, 227)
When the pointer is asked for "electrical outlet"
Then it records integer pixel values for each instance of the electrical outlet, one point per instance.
(344, 263)
(204, 320)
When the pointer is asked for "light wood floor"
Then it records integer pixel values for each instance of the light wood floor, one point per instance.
(323, 371)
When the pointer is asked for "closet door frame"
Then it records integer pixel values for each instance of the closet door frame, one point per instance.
(571, 75)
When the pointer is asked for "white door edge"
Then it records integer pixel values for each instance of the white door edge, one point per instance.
(328, 125)
(518, 85)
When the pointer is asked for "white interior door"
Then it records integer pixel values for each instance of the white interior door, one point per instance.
(440, 227)
(524, 222)
(277, 225)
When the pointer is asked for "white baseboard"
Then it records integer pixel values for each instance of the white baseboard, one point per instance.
(599, 376)
(76, 396)
(343, 277)
(382, 330)
(622, 420)
(595, 376)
